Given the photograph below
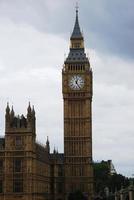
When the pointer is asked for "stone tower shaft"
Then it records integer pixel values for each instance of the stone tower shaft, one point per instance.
(77, 96)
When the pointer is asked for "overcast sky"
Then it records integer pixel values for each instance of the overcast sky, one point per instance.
(34, 38)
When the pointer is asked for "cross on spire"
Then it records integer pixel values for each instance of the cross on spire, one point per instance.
(77, 7)
(76, 31)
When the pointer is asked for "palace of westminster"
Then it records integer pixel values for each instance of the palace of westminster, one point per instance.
(28, 170)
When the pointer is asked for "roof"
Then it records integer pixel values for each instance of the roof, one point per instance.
(57, 156)
(77, 55)
(76, 31)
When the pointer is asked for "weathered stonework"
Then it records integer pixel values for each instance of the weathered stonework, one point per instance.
(77, 117)
(28, 170)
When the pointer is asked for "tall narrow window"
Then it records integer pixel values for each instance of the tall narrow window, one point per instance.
(18, 141)
(81, 171)
(17, 185)
(1, 186)
(59, 188)
(60, 170)
(17, 165)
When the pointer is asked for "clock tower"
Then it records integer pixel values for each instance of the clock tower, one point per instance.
(77, 96)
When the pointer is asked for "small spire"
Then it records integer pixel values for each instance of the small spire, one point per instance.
(29, 108)
(47, 139)
(54, 151)
(47, 144)
(7, 108)
(77, 8)
(12, 111)
(76, 31)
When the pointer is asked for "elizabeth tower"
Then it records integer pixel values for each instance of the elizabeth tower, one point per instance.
(77, 96)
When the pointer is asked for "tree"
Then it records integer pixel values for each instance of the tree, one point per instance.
(104, 179)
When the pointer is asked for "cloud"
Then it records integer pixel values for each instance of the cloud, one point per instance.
(108, 26)
(34, 37)
(31, 64)
(113, 110)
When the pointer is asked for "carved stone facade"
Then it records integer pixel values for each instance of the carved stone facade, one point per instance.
(77, 95)
(25, 164)
(28, 170)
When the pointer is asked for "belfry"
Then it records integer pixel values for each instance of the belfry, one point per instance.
(77, 97)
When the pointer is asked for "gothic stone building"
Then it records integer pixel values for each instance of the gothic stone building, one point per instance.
(28, 171)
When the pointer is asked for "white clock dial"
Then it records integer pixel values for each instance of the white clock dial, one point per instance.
(76, 82)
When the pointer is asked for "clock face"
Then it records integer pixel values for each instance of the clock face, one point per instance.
(76, 82)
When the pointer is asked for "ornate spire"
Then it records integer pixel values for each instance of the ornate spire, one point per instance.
(47, 144)
(29, 109)
(7, 109)
(12, 112)
(7, 115)
(54, 151)
(76, 34)
(47, 139)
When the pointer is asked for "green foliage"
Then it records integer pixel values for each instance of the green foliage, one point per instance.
(103, 179)
(101, 176)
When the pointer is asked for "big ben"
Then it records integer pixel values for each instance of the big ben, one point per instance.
(77, 97)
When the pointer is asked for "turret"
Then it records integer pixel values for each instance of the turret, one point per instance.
(54, 151)
(12, 113)
(7, 115)
(7, 109)
(20, 122)
(31, 117)
(29, 112)
(48, 145)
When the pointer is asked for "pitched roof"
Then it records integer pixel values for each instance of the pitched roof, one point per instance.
(76, 31)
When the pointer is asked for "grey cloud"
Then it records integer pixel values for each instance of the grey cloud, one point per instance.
(108, 25)
(111, 26)
(34, 36)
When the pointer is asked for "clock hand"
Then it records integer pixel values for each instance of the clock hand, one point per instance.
(77, 84)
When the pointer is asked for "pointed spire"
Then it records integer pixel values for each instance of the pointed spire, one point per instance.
(7, 109)
(76, 31)
(29, 109)
(47, 144)
(54, 151)
(12, 112)
(47, 139)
